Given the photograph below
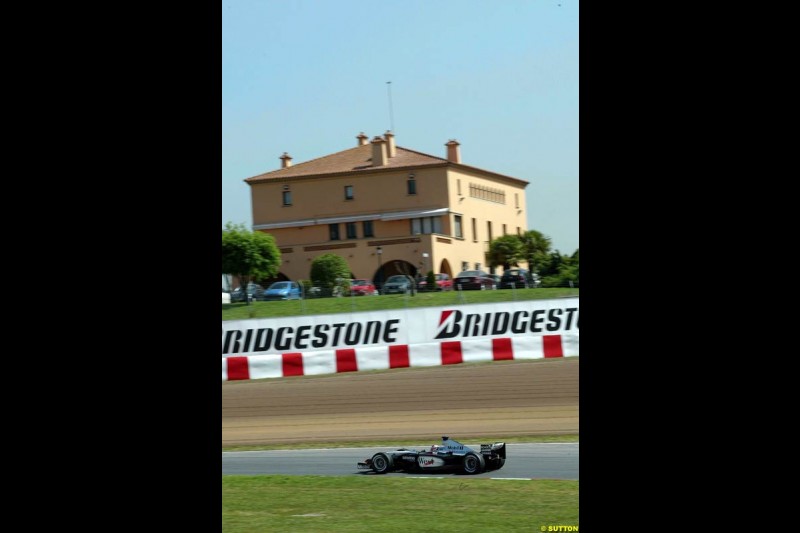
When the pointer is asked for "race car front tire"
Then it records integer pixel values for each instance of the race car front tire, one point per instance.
(381, 463)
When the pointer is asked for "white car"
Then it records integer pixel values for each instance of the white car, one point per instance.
(226, 297)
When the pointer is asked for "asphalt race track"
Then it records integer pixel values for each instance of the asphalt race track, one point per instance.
(530, 461)
(478, 402)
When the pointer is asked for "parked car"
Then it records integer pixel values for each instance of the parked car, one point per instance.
(519, 278)
(450, 455)
(496, 280)
(474, 280)
(226, 297)
(321, 292)
(361, 287)
(281, 290)
(254, 291)
(398, 284)
(443, 283)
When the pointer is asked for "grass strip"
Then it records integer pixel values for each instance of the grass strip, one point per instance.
(278, 503)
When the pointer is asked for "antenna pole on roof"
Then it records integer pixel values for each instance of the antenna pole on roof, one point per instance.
(391, 112)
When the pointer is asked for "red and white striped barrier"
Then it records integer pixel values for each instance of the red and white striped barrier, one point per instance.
(398, 356)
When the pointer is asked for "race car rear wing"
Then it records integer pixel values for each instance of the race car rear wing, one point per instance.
(498, 448)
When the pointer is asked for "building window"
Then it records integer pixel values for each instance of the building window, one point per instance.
(426, 225)
(464, 266)
(519, 232)
(477, 266)
(351, 230)
(367, 227)
(516, 200)
(348, 192)
(504, 230)
(287, 197)
(489, 229)
(412, 186)
(458, 231)
(458, 186)
(334, 229)
(474, 230)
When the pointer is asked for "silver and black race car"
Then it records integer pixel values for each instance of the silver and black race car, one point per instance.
(449, 455)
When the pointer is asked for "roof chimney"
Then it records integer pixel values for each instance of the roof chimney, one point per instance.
(453, 153)
(378, 151)
(391, 149)
(286, 160)
(362, 139)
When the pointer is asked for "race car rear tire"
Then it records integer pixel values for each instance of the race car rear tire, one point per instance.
(381, 463)
(473, 463)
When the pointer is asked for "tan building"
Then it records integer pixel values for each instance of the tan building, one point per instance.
(386, 210)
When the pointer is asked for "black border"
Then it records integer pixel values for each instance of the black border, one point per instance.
(124, 374)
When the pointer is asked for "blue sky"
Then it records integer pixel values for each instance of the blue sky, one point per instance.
(501, 77)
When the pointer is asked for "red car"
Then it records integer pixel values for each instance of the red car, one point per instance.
(361, 287)
(443, 283)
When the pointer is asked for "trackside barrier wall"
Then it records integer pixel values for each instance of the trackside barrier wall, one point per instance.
(377, 340)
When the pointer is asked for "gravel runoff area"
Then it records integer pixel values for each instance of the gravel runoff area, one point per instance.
(503, 398)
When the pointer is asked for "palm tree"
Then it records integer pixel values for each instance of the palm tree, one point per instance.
(535, 247)
(505, 250)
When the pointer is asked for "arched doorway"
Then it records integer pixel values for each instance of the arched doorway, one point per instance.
(391, 268)
(445, 268)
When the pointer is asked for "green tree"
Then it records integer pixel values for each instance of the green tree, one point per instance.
(535, 247)
(248, 254)
(550, 265)
(561, 270)
(431, 281)
(506, 251)
(569, 273)
(329, 271)
(575, 264)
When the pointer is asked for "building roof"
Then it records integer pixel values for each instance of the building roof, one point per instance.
(359, 159)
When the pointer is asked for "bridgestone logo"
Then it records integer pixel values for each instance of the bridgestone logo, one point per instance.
(305, 337)
(457, 324)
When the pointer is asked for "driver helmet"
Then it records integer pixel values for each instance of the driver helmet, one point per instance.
(434, 448)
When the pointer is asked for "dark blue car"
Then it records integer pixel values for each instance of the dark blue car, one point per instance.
(254, 292)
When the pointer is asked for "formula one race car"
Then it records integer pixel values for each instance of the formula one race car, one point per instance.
(449, 455)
